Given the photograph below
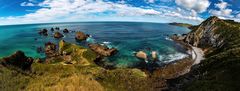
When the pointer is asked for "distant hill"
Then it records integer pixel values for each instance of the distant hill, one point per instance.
(180, 24)
(220, 39)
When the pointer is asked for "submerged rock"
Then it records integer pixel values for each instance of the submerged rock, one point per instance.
(141, 55)
(102, 50)
(43, 32)
(80, 36)
(58, 35)
(50, 49)
(65, 31)
(40, 50)
(18, 59)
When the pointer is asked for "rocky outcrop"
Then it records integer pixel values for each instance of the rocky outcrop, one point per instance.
(43, 32)
(154, 55)
(18, 59)
(50, 49)
(80, 36)
(58, 35)
(204, 35)
(102, 50)
(65, 31)
(141, 55)
(75, 54)
(57, 28)
(52, 29)
(220, 39)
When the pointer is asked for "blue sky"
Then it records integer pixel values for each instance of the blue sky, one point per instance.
(163, 11)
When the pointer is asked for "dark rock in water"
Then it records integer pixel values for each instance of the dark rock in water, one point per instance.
(102, 50)
(43, 32)
(50, 49)
(57, 28)
(80, 36)
(18, 59)
(40, 50)
(57, 35)
(52, 29)
(65, 31)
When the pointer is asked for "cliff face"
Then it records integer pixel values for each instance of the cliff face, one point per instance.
(220, 69)
(204, 35)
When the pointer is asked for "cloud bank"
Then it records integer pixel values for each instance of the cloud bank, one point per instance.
(90, 10)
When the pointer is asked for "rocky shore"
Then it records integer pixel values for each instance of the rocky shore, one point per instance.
(212, 60)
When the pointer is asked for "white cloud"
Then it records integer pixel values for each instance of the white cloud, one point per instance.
(238, 15)
(221, 5)
(223, 11)
(196, 5)
(151, 1)
(26, 4)
(85, 10)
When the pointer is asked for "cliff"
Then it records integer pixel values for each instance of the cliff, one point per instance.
(220, 39)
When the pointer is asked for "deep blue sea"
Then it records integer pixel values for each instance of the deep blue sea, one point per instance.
(127, 37)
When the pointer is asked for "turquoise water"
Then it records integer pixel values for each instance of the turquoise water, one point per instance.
(127, 37)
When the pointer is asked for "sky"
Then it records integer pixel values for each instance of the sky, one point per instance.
(161, 11)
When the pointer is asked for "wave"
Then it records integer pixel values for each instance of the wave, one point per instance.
(90, 39)
(108, 44)
(167, 38)
(172, 57)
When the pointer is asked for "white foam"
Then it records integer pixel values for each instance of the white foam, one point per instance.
(106, 42)
(167, 38)
(172, 57)
(90, 39)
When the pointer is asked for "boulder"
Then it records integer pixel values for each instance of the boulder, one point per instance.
(43, 32)
(50, 49)
(102, 50)
(80, 36)
(52, 29)
(18, 59)
(57, 28)
(154, 55)
(141, 55)
(58, 35)
(65, 31)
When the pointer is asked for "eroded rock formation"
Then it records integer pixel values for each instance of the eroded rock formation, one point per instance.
(102, 50)
(58, 35)
(18, 59)
(80, 36)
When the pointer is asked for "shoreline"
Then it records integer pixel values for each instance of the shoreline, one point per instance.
(195, 53)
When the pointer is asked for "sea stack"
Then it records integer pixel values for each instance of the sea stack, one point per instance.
(52, 29)
(58, 35)
(80, 36)
(65, 31)
(43, 32)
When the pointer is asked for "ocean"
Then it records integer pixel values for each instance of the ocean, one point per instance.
(127, 37)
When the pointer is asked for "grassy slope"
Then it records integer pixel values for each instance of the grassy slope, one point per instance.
(74, 77)
(220, 70)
